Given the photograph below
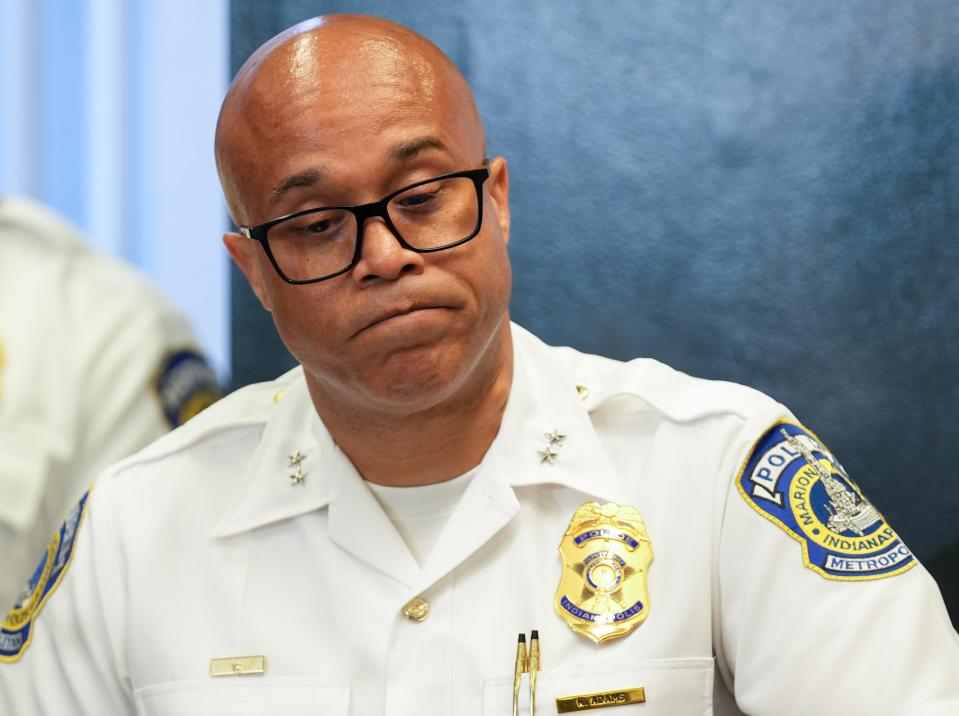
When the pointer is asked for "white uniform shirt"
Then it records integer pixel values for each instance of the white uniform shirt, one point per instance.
(420, 513)
(203, 547)
(91, 359)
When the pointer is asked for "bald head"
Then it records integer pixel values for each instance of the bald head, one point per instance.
(325, 87)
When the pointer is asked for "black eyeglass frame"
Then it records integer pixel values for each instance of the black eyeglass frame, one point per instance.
(362, 212)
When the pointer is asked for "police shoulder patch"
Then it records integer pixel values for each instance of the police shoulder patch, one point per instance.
(16, 630)
(792, 480)
(186, 385)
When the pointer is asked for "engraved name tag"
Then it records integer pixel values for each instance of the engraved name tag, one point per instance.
(601, 699)
(238, 666)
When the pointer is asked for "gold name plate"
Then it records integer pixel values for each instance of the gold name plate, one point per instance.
(600, 700)
(238, 666)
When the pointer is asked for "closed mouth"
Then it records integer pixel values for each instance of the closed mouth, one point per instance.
(393, 313)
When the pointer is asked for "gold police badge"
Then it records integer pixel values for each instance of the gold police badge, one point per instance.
(602, 590)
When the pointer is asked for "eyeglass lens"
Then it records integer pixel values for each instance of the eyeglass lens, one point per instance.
(428, 216)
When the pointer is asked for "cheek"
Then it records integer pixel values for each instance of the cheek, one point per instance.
(497, 274)
(304, 321)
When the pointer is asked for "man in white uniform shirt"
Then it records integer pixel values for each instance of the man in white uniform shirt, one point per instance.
(94, 364)
(370, 533)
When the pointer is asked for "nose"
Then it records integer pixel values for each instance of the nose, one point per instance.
(382, 256)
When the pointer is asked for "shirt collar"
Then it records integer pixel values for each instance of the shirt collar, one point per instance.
(543, 405)
(543, 401)
(293, 438)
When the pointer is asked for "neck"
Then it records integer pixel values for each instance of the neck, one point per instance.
(430, 445)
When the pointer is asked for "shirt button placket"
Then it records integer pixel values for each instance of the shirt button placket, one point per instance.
(418, 658)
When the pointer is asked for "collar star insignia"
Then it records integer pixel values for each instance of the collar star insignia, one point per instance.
(297, 477)
(555, 437)
(296, 458)
(548, 455)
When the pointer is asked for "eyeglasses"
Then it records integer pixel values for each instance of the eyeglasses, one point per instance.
(430, 215)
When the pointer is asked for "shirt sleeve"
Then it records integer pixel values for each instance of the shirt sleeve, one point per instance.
(139, 366)
(96, 365)
(61, 650)
(107, 366)
(821, 608)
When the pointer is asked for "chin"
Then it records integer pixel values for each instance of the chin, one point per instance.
(404, 378)
(425, 376)
(415, 381)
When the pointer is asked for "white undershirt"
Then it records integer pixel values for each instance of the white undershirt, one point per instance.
(420, 513)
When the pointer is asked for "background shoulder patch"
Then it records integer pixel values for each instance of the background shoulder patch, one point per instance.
(16, 630)
(186, 385)
(791, 479)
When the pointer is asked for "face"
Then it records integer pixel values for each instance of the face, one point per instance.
(401, 331)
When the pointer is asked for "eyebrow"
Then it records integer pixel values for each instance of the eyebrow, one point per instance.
(398, 152)
(408, 150)
(299, 180)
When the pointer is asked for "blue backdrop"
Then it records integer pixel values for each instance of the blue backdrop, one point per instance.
(760, 192)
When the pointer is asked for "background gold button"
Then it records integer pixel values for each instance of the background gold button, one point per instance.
(417, 609)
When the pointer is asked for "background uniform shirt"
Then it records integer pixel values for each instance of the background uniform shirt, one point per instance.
(94, 364)
(203, 547)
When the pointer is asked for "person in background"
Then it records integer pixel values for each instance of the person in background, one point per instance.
(94, 364)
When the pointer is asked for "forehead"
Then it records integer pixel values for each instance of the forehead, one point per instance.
(343, 104)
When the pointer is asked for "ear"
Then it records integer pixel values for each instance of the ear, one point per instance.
(245, 254)
(498, 185)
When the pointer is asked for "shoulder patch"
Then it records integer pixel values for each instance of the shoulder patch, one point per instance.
(186, 385)
(16, 630)
(792, 480)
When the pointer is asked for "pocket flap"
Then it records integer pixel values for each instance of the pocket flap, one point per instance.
(246, 696)
(672, 686)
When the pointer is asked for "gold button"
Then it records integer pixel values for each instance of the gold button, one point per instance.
(583, 391)
(277, 396)
(417, 609)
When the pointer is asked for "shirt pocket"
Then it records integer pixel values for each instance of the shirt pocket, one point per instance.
(673, 687)
(246, 696)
